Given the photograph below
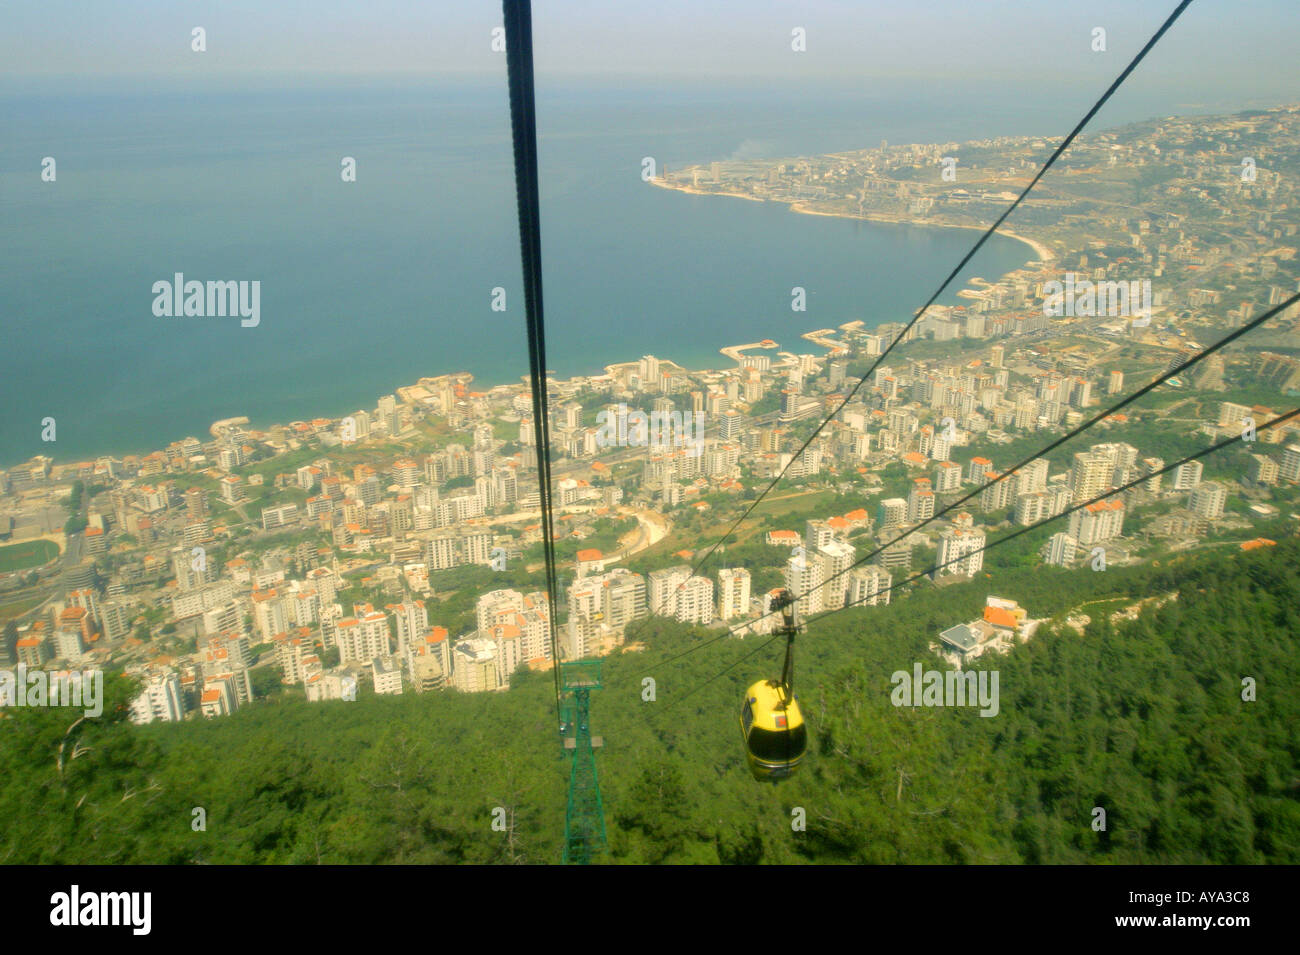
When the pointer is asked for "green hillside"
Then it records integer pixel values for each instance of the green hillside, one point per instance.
(1143, 718)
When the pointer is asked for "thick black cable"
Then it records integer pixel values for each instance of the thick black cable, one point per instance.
(1100, 497)
(1160, 379)
(1096, 107)
(523, 123)
(1001, 540)
(1101, 416)
(758, 649)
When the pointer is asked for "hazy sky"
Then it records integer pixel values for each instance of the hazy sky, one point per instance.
(1239, 49)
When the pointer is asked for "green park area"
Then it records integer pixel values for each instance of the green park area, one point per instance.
(26, 554)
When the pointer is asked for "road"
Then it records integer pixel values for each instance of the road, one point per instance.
(652, 527)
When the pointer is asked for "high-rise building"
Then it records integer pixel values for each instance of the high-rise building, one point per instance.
(835, 373)
(733, 593)
(925, 440)
(388, 414)
(86, 599)
(960, 552)
(817, 534)
(1207, 500)
(665, 588)
(68, 643)
(897, 556)
(192, 568)
(160, 699)
(947, 477)
(1091, 475)
(613, 599)
(1261, 470)
(648, 371)
(996, 494)
(1032, 508)
(695, 601)
(976, 469)
(1032, 477)
(498, 606)
(411, 622)
(387, 675)
(116, 620)
(893, 513)
(1187, 475)
(361, 639)
(869, 586)
(196, 504)
(406, 473)
(804, 574)
(1060, 549)
(429, 661)
(1098, 522)
(729, 425)
(1289, 469)
(269, 614)
(836, 558)
(1232, 416)
(475, 669)
(1150, 466)
(920, 502)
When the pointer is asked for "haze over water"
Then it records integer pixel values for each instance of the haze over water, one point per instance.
(370, 285)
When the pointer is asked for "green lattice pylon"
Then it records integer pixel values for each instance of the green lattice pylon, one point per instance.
(584, 817)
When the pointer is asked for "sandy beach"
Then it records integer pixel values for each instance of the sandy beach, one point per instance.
(676, 187)
(1040, 250)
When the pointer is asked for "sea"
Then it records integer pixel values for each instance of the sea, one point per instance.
(370, 284)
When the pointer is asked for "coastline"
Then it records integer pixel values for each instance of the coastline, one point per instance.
(691, 190)
(261, 424)
(1043, 253)
(1040, 250)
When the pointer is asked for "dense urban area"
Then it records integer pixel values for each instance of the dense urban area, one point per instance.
(399, 550)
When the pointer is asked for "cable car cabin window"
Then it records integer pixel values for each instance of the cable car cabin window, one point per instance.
(747, 716)
(775, 747)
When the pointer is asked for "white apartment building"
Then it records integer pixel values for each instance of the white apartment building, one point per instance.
(836, 557)
(665, 589)
(1187, 475)
(160, 699)
(1091, 475)
(411, 622)
(1207, 500)
(869, 586)
(362, 639)
(804, 575)
(964, 549)
(269, 614)
(947, 477)
(387, 675)
(733, 593)
(1289, 469)
(1061, 549)
(1097, 522)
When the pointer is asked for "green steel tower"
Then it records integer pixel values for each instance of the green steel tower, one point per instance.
(584, 819)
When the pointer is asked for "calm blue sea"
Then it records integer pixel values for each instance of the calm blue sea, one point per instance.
(369, 285)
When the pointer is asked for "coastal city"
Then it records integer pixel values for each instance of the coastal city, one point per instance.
(399, 548)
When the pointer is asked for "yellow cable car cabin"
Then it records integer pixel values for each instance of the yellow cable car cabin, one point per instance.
(774, 731)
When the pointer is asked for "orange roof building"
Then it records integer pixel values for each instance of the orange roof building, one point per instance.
(1257, 543)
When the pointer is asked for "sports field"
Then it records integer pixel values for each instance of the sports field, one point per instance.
(26, 554)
